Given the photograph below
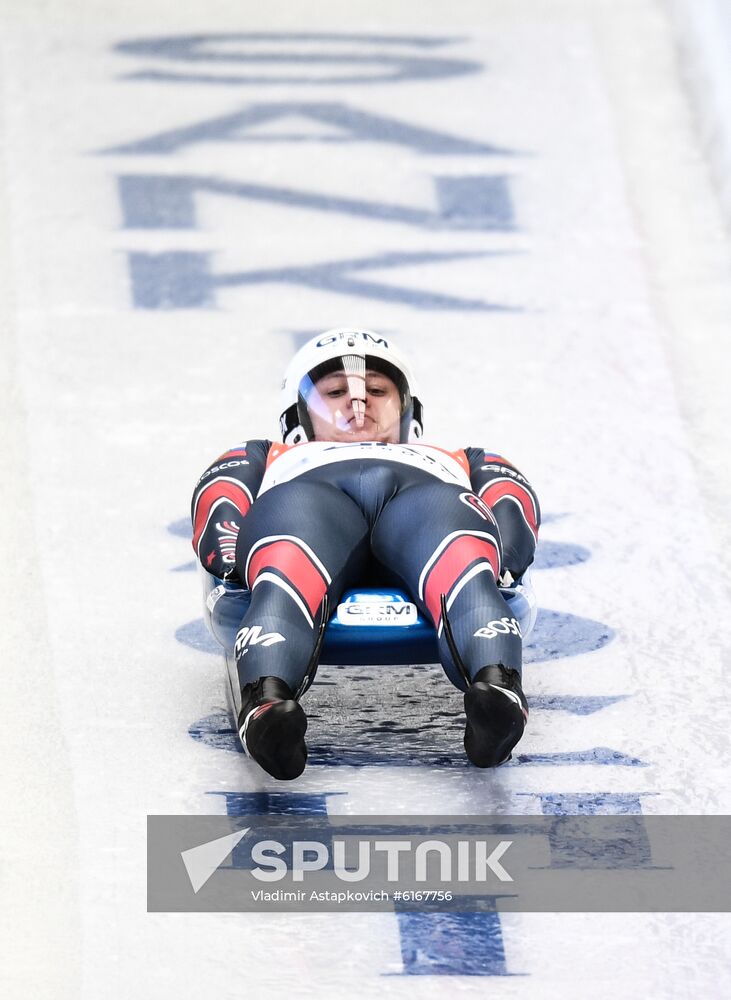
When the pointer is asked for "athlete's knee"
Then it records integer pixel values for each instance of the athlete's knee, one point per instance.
(463, 565)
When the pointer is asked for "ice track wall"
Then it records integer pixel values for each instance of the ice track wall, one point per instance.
(703, 30)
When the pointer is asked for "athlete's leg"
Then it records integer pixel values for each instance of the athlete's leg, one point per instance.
(444, 544)
(299, 543)
(442, 540)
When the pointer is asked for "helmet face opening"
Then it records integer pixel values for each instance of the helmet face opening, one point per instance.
(349, 385)
(354, 397)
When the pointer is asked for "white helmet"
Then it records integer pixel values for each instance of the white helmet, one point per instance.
(351, 355)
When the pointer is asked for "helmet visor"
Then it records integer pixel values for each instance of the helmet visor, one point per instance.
(350, 399)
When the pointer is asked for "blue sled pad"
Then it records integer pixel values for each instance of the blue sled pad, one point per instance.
(369, 627)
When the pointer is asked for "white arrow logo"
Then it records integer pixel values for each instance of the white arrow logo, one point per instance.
(202, 861)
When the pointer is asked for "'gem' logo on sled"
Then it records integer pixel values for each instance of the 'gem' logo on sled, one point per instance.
(382, 609)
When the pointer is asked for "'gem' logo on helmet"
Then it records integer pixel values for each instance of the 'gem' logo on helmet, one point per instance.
(345, 334)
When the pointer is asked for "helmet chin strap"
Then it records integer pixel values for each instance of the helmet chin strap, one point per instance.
(355, 370)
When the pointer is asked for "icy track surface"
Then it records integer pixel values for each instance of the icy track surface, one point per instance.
(516, 191)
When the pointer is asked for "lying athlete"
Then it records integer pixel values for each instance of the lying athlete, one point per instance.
(352, 491)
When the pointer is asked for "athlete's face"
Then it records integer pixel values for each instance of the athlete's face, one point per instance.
(353, 408)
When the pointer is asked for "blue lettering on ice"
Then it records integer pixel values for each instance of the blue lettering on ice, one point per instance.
(196, 635)
(590, 803)
(362, 757)
(181, 528)
(159, 201)
(452, 944)
(553, 518)
(558, 634)
(574, 704)
(334, 50)
(178, 279)
(276, 803)
(550, 555)
(353, 125)
(183, 279)
(572, 846)
(217, 732)
(188, 567)
(595, 755)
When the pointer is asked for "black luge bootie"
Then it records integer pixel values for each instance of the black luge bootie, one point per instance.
(272, 727)
(496, 715)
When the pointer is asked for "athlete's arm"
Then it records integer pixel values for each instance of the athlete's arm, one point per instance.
(513, 502)
(221, 499)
